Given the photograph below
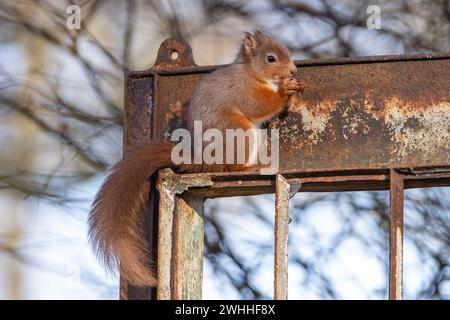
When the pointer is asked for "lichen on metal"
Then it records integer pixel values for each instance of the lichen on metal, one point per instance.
(281, 231)
(169, 185)
(429, 134)
(313, 121)
(410, 130)
(283, 192)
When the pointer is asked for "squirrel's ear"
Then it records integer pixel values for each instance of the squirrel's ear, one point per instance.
(249, 44)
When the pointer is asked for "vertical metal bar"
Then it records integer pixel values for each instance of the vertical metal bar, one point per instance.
(180, 262)
(188, 241)
(137, 124)
(166, 207)
(396, 236)
(281, 238)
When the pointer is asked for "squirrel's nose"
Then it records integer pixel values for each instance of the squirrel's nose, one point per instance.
(292, 68)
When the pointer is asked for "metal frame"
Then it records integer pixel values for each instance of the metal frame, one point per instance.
(379, 149)
(180, 247)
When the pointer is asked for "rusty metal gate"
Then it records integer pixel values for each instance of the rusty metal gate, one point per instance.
(370, 123)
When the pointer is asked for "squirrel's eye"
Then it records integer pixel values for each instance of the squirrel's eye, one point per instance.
(271, 58)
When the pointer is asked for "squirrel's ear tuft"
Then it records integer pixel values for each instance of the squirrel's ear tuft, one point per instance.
(250, 44)
(259, 34)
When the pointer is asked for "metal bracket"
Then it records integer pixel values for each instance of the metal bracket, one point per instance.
(174, 53)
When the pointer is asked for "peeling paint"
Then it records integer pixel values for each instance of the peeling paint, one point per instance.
(353, 123)
(410, 129)
(314, 119)
(430, 132)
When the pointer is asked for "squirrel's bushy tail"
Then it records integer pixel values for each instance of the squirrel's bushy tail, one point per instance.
(115, 221)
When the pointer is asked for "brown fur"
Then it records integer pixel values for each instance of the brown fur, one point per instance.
(243, 89)
(238, 96)
(115, 219)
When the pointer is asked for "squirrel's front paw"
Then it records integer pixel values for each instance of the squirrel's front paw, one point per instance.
(302, 86)
(290, 86)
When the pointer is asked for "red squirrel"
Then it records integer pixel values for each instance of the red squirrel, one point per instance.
(242, 95)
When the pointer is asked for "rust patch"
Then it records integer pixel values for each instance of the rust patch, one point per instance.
(174, 53)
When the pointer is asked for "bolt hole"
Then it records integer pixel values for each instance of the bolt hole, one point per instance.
(174, 55)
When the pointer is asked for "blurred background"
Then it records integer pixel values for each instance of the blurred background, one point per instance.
(61, 93)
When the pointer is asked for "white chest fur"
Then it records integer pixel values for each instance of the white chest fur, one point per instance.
(274, 85)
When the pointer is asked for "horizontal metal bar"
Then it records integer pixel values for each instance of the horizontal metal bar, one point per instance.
(373, 177)
(246, 183)
(377, 174)
(356, 113)
(183, 70)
